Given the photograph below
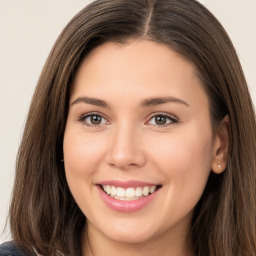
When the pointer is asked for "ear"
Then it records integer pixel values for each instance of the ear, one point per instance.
(221, 146)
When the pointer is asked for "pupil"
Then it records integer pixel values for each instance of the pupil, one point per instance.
(160, 120)
(95, 119)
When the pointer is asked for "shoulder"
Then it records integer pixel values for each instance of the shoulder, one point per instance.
(11, 249)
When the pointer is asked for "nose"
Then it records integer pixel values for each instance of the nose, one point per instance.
(125, 149)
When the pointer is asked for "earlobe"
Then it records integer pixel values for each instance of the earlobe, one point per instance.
(221, 146)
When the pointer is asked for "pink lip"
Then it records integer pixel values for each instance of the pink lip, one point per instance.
(126, 206)
(126, 184)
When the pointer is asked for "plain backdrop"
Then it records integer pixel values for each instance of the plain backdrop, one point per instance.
(28, 29)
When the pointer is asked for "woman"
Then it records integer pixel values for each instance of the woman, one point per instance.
(140, 138)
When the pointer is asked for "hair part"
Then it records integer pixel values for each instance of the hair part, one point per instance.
(43, 213)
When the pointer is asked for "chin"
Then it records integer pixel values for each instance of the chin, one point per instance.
(129, 233)
(133, 237)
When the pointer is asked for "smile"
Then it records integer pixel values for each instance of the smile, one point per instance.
(128, 194)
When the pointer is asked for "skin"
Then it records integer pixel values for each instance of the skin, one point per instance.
(128, 144)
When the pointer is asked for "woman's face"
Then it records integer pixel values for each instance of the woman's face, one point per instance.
(138, 144)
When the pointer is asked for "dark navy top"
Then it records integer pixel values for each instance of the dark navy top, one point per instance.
(11, 249)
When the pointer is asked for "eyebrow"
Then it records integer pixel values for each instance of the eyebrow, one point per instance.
(144, 103)
(162, 100)
(92, 101)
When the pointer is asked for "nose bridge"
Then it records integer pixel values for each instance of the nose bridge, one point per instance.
(125, 149)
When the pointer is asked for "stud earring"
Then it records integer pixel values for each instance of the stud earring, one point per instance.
(219, 166)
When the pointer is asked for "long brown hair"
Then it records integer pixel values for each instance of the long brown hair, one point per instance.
(43, 213)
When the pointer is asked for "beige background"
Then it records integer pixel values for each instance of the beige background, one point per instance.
(28, 29)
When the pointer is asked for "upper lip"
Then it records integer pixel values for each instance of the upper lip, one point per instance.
(127, 183)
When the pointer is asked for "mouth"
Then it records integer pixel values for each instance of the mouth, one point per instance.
(127, 196)
(129, 193)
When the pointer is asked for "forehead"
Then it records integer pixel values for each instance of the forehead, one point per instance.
(139, 67)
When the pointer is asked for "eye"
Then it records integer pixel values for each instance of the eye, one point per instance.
(162, 120)
(93, 119)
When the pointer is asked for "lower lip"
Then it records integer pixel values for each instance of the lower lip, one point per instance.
(126, 206)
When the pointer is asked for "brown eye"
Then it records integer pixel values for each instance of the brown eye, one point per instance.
(162, 120)
(93, 120)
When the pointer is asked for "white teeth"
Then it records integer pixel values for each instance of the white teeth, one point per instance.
(152, 189)
(145, 191)
(113, 191)
(129, 193)
(120, 192)
(108, 189)
(138, 192)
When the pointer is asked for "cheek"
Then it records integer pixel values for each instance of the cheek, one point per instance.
(81, 153)
(185, 163)
(185, 160)
(183, 151)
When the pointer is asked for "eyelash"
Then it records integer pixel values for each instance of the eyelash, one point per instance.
(172, 119)
(91, 114)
